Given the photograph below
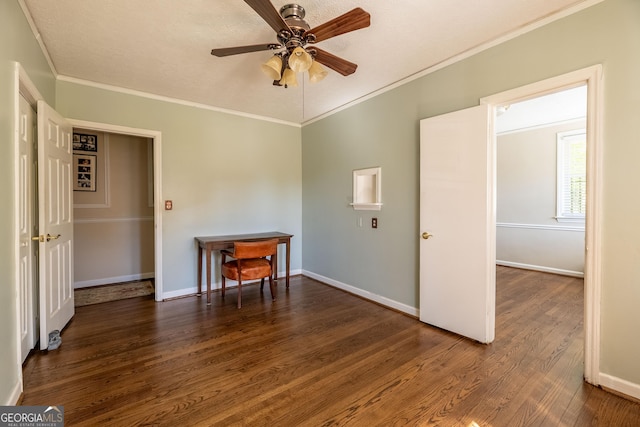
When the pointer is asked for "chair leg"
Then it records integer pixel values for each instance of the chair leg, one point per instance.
(272, 287)
(223, 286)
(261, 284)
(239, 294)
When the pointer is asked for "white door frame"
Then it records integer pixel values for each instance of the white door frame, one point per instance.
(156, 137)
(592, 76)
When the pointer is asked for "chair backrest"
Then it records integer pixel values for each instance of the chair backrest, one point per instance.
(262, 248)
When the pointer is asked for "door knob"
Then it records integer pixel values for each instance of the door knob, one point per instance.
(426, 235)
(48, 238)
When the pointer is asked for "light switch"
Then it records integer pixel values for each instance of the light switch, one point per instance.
(168, 205)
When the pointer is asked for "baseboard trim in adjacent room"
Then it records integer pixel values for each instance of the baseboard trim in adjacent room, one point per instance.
(412, 311)
(541, 268)
(116, 279)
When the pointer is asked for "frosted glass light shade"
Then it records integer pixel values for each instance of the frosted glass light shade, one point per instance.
(289, 78)
(272, 67)
(300, 60)
(316, 72)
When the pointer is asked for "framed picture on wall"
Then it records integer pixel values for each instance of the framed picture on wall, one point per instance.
(85, 142)
(84, 172)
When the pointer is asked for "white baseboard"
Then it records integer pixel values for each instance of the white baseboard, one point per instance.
(110, 280)
(619, 385)
(214, 286)
(181, 293)
(412, 311)
(541, 268)
(14, 396)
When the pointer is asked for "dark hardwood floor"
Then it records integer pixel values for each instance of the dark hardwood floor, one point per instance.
(318, 357)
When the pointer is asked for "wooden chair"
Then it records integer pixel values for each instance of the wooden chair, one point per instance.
(252, 260)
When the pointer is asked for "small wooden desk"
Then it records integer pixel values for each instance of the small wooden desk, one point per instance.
(216, 243)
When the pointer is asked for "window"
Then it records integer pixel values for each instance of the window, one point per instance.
(572, 175)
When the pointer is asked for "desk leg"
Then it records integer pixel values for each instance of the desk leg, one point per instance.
(288, 244)
(199, 270)
(208, 275)
(275, 263)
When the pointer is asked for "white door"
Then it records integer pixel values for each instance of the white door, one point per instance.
(27, 227)
(55, 221)
(457, 223)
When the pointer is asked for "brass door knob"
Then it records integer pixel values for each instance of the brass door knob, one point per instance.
(426, 235)
(47, 238)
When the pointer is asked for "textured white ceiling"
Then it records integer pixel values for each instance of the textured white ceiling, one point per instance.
(163, 46)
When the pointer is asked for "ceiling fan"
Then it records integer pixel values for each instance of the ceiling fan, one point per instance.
(294, 34)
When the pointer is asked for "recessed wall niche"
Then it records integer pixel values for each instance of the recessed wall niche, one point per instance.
(367, 189)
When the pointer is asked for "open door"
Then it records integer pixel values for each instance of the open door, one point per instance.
(457, 223)
(26, 227)
(55, 222)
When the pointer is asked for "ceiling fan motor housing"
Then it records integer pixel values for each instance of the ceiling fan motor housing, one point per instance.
(293, 15)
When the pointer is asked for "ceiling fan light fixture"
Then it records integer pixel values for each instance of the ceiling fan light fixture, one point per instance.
(317, 72)
(273, 67)
(300, 60)
(289, 78)
(295, 35)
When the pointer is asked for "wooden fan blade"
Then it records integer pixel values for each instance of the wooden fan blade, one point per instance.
(350, 21)
(243, 49)
(265, 9)
(336, 63)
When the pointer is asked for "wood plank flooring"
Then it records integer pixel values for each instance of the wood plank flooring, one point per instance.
(322, 357)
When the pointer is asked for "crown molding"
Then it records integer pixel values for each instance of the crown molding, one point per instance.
(171, 100)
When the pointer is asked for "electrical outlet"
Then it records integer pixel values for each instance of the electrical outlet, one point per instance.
(374, 222)
(168, 205)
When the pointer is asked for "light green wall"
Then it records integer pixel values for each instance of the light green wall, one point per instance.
(208, 157)
(382, 261)
(16, 44)
(383, 131)
(225, 174)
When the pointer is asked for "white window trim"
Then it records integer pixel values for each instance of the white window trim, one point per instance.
(560, 143)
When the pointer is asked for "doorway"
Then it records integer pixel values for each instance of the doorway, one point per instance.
(541, 183)
(154, 139)
(592, 78)
(466, 139)
(113, 205)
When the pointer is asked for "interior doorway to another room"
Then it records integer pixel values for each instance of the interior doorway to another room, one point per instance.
(113, 208)
(590, 79)
(541, 183)
(147, 197)
(541, 203)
